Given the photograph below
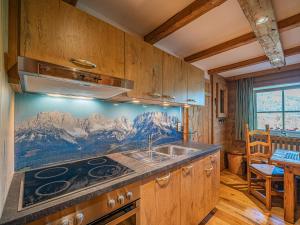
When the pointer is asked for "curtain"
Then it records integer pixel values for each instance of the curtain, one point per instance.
(245, 107)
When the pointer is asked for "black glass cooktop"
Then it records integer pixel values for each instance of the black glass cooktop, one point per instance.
(47, 183)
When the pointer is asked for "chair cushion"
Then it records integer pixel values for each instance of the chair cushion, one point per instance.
(268, 169)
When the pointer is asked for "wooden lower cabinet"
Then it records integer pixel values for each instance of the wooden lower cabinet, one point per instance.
(186, 197)
(160, 202)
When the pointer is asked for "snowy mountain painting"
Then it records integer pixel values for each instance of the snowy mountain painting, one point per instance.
(50, 130)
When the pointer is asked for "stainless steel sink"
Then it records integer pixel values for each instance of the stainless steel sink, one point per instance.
(160, 154)
(173, 151)
(149, 157)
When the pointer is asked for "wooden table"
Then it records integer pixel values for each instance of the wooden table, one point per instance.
(290, 161)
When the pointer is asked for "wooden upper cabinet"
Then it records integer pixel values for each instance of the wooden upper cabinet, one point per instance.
(55, 32)
(143, 65)
(195, 85)
(174, 80)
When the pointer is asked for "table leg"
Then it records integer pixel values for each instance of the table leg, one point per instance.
(289, 195)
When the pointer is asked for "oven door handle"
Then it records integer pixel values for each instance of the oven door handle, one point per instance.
(123, 217)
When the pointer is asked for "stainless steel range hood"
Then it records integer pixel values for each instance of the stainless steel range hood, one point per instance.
(41, 77)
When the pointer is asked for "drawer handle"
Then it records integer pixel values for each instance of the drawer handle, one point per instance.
(209, 170)
(169, 97)
(187, 169)
(154, 95)
(83, 63)
(163, 180)
(213, 159)
(191, 100)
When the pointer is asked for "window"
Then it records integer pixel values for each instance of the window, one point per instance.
(279, 108)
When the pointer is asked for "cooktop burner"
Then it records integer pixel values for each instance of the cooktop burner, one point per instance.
(45, 184)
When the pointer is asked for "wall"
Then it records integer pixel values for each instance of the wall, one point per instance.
(6, 114)
(54, 129)
(218, 126)
(232, 144)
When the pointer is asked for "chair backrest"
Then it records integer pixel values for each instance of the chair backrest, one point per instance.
(258, 150)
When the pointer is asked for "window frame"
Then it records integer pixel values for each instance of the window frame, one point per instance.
(283, 111)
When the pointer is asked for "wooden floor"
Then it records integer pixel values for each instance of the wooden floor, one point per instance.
(236, 207)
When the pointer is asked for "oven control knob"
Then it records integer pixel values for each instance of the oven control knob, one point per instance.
(65, 222)
(129, 195)
(111, 203)
(79, 218)
(121, 199)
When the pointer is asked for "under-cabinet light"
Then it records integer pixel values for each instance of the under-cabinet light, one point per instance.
(70, 96)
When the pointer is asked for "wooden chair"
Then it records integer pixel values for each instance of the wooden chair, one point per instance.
(259, 171)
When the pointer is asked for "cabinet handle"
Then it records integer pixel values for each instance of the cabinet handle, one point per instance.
(209, 170)
(162, 181)
(154, 95)
(187, 169)
(169, 97)
(83, 63)
(213, 159)
(191, 100)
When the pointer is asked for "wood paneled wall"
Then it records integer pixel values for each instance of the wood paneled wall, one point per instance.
(232, 145)
(6, 114)
(201, 122)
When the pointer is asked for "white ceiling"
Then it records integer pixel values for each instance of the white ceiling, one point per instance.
(260, 66)
(223, 23)
(134, 16)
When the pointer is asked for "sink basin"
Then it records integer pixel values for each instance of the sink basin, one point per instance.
(173, 151)
(151, 157)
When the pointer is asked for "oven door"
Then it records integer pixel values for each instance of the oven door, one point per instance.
(127, 215)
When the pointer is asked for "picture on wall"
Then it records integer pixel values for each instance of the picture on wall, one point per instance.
(50, 129)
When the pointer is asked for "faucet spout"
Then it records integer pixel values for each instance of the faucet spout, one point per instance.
(150, 142)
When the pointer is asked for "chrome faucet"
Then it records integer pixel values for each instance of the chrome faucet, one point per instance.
(150, 141)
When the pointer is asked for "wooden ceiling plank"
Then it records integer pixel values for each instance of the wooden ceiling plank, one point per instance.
(261, 17)
(253, 61)
(180, 19)
(283, 25)
(265, 72)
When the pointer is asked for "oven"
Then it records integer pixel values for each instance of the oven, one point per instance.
(126, 215)
(118, 207)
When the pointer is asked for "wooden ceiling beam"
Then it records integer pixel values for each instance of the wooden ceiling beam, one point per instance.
(261, 17)
(283, 25)
(265, 72)
(180, 19)
(253, 61)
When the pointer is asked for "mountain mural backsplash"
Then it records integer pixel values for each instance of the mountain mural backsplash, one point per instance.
(50, 130)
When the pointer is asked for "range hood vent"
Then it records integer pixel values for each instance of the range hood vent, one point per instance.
(41, 77)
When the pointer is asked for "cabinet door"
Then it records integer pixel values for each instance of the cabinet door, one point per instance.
(196, 86)
(211, 181)
(168, 199)
(143, 65)
(55, 32)
(160, 200)
(174, 80)
(187, 196)
(148, 203)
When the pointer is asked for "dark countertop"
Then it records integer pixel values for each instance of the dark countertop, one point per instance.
(11, 215)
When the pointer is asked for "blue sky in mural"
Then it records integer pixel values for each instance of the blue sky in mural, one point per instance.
(50, 130)
(28, 105)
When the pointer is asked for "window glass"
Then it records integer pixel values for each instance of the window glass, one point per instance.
(292, 100)
(292, 121)
(274, 120)
(269, 101)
